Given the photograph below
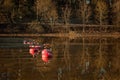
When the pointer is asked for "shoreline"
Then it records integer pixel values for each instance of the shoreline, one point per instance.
(116, 35)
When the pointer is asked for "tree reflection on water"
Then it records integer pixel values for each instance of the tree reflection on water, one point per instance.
(73, 59)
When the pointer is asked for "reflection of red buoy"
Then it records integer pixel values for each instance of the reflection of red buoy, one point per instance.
(46, 55)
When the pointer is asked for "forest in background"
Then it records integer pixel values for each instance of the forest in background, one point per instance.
(39, 16)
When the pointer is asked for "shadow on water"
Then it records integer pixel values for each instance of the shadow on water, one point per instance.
(73, 59)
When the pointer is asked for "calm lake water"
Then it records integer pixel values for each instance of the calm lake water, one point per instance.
(73, 59)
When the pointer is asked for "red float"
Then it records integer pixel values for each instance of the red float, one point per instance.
(46, 55)
(34, 50)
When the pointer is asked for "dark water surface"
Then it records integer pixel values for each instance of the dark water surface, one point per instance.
(73, 59)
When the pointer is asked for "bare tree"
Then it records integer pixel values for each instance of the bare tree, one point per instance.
(46, 13)
(66, 14)
(116, 12)
(35, 27)
(84, 12)
(7, 8)
(101, 12)
(46, 10)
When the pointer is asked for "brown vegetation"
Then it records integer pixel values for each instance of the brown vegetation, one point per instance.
(47, 13)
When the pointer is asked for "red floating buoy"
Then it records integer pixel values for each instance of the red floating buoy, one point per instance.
(34, 50)
(46, 55)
